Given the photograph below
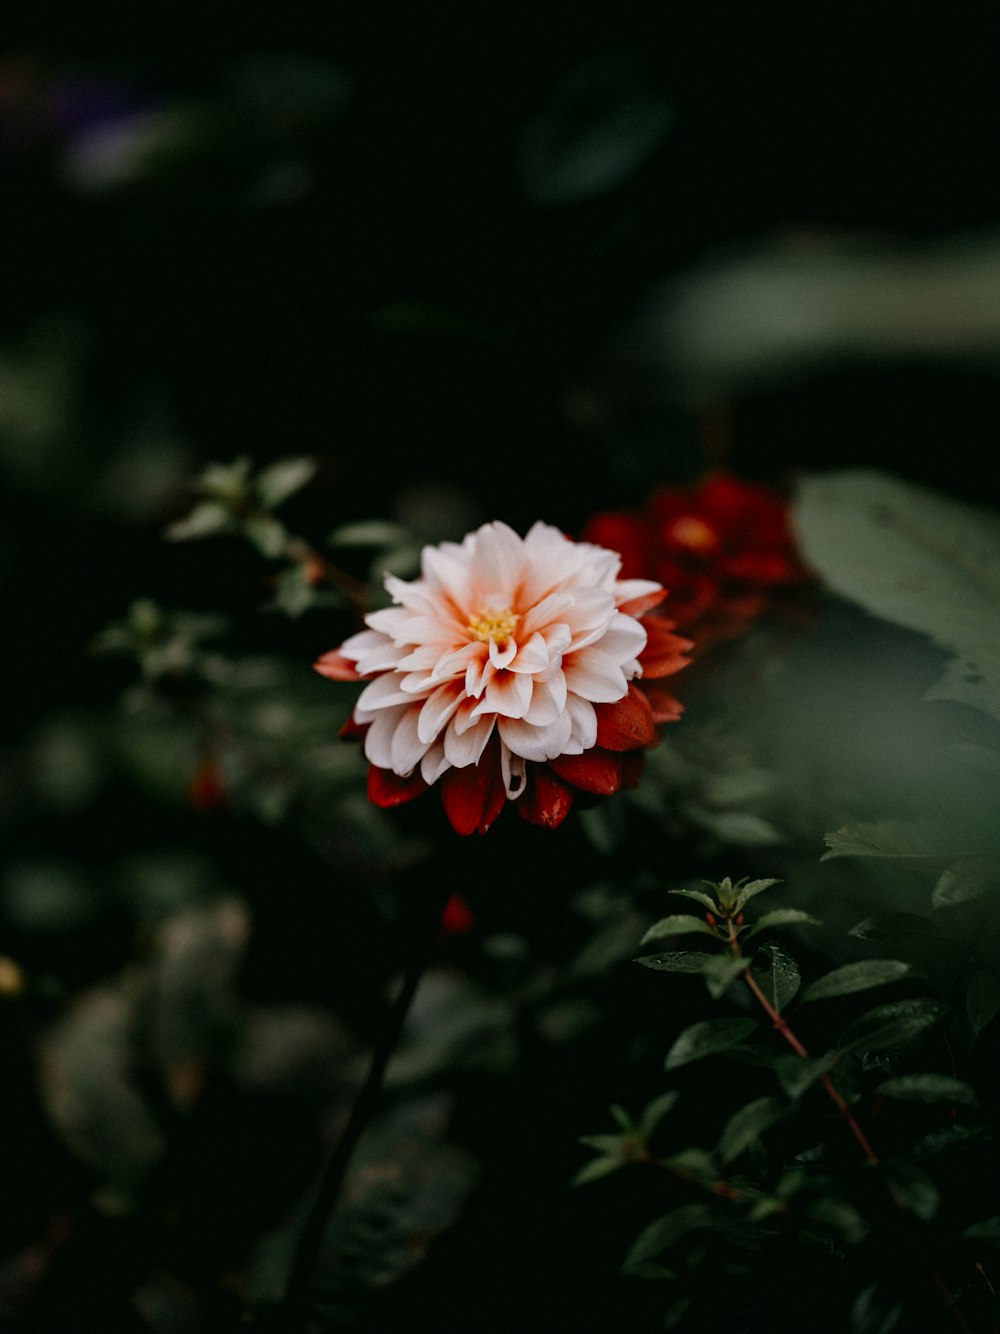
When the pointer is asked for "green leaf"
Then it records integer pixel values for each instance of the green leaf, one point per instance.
(744, 893)
(856, 977)
(782, 917)
(987, 1230)
(282, 479)
(369, 533)
(927, 1088)
(966, 880)
(915, 559)
(677, 961)
(206, 519)
(676, 925)
(955, 1136)
(840, 1217)
(913, 1189)
(890, 1026)
(897, 926)
(722, 972)
(676, 1312)
(665, 1232)
(891, 838)
(597, 1168)
(699, 897)
(706, 1038)
(695, 1163)
(656, 1111)
(872, 1316)
(747, 1125)
(982, 998)
(603, 1143)
(622, 1119)
(779, 978)
(796, 1074)
(268, 535)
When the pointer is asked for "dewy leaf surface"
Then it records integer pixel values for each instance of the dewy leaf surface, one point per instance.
(917, 559)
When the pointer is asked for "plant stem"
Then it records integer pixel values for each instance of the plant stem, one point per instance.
(294, 1305)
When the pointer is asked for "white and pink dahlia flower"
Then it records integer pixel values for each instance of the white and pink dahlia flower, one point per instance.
(513, 669)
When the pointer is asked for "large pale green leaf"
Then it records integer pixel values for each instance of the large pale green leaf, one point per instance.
(917, 559)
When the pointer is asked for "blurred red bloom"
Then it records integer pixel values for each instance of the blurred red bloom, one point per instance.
(724, 548)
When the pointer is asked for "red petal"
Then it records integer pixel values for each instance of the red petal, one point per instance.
(547, 801)
(352, 731)
(664, 651)
(625, 533)
(207, 791)
(665, 708)
(636, 606)
(595, 771)
(336, 666)
(632, 767)
(626, 724)
(473, 797)
(387, 789)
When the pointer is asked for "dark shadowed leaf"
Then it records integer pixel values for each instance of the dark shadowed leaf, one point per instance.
(599, 1167)
(891, 838)
(913, 1189)
(722, 972)
(747, 1125)
(677, 925)
(872, 1314)
(982, 998)
(927, 1088)
(660, 1235)
(281, 479)
(677, 961)
(840, 1217)
(744, 893)
(706, 1038)
(777, 975)
(798, 1073)
(889, 1027)
(987, 1230)
(782, 917)
(656, 1111)
(699, 896)
(917, 559)
(856, 977)
(966, 880)
(946, 1139)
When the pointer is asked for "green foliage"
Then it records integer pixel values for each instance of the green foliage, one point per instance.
(854, 977)
(706, 1038)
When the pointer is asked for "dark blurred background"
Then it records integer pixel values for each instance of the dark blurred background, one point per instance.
(481, 262)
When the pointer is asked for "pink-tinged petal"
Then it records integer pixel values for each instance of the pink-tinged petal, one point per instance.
(465, 747)
(583, 725)
(473, 797)
(416, 683)
(664, 651)
(531, 657)
(625, 639)
(558, 638)
(664, 707)
(378, 738)
(446, 572)
(626, 724)
(414, 595)
(423, 659)
(508, 694)
(365, 641)
(387, 789)
(498, 562)
(594, 677)
(545, 704)
(406, 748)
(385, 659)
(547, 801)
(434, 763)
(514, 771)
(335, 666)
(391, 621)
(456, 662)
(437, 709)
(634, 596)
(477, 674)
(501, 657)
(550, 610)
(535, 743)
(597, 771)
(382, 693)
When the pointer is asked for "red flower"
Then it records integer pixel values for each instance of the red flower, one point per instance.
(724, 548)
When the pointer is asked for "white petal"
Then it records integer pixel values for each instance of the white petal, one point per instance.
(532, 656)
(406, 749)
(536, 743)
(508, 693)
(391, 621)
(478, 672)
(624, 639)
(438, 708)
(595, 677)
(551, 609)
(378, 738)
(512, 767)
(382, 693)
(465, 748)
(501, 657)
(545, 705)
(583, 732)
(498, 562)
(434, 763)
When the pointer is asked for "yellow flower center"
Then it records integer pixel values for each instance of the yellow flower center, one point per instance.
(687, 530)
(490, 624)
